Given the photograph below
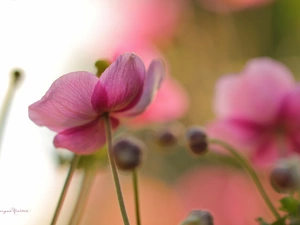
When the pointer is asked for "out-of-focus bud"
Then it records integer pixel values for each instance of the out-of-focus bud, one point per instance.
(285, 177)
(16, 76)
(197, 140)
(128, 153)
(198, 217)
(168, 136)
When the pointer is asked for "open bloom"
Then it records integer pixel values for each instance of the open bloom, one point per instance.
(259, 111)
(75, 103)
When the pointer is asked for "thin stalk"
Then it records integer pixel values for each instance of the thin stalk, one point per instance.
(63, 195)
(252, 173)
(114, 169)
(15, 77)
(136, 196)
(88, 178)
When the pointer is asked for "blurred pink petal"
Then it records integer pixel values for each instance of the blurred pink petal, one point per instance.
(67, 102)
(170, 103)
(229, 195)
(263, 81)
(75, 103)
(258, 111)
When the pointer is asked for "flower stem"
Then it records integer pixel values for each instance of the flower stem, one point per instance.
(63, 195)
(136, 196)
(15, 76)
(114, 169)
(88, 178)
(252, 173)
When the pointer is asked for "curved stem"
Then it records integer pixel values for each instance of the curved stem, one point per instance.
(252, 173)
(136, 196)
(88, 178)
(114, 168)
(63, 195)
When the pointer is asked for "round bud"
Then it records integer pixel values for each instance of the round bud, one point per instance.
(198, 217)
(128, 153)
(197, 140)
(166, 138)
(282, 179)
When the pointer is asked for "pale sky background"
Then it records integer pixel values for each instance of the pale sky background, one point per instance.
(46, 39)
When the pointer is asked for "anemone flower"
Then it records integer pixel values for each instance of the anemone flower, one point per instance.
(259, 110)
(76, 102)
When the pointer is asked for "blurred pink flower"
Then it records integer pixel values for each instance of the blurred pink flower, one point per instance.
(227, 194)
(75, 102)
(159, 203)
(259, 111)
(171, 101)
(148, 19)
(225, 6)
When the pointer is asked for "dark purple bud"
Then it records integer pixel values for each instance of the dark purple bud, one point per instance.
(128, 153)
(197, 140)
(166, 137)
(198, 217)
(283, 179)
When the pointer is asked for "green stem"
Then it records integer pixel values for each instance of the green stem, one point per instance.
(136, 196)
(252, 173)
(114, 168)
(63, 195)
(88, 178)
(6, 104)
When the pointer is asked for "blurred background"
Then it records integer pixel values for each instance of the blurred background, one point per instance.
(200, 40)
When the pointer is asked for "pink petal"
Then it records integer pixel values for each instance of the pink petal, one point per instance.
(242, 135)
(85, 139)
(291, 109)
(67, 103)
(170, 103)
(155, 75)
(256, 94)
(120, 85)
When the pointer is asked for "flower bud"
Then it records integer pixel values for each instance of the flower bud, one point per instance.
(197, 140)
(16, 76)
(285, 177)
(166, 137)
(128, 153)
(198, 217)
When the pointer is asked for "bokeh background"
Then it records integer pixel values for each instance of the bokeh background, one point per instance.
(200, 40)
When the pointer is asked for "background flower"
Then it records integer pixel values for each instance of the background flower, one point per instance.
(254, 111)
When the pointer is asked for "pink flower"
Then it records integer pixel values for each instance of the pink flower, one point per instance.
(259, 111)
(75, 102)
(224, 6)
